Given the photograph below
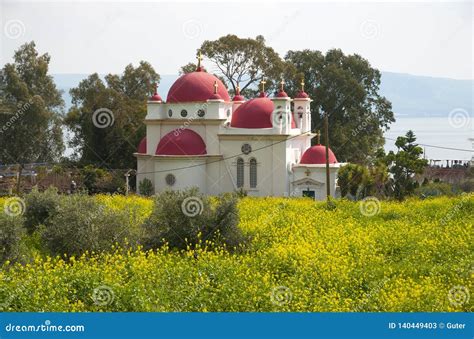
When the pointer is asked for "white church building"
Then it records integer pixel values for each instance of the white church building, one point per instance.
(201, 137)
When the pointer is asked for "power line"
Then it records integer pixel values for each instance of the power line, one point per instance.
(223, 159)
(276, 143)
(441, 147)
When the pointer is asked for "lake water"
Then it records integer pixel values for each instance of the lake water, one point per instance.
(437, 131)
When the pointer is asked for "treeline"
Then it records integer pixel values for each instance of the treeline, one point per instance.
(107, 115)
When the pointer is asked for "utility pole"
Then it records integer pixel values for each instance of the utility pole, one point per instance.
(326, 137)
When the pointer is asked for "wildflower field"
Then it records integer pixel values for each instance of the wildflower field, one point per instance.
(416, 255)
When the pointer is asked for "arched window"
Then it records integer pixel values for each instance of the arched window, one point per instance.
(253, 173)
(240, 172)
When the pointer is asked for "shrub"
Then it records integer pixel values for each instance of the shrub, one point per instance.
(353, 179)
(187, 218)
(11, 230)
(97, 180)
(434, 189)
(82, 224)
(145, 187)
(40, 206)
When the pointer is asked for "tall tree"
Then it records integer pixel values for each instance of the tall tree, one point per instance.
(404, 164)
(30, 110)
(242, 61)
(107, 117)
(347, 88)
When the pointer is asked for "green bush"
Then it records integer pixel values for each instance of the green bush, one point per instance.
(145, 187)
(187, 218)
(11, 231)
(40, 206)
(434, 189)
(82, 224)
(97, 180)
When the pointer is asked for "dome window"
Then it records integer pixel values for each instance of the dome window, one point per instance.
(184, 113)
(201, 113)
(170, 113)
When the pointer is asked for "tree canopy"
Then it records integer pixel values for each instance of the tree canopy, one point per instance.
(404, 164)
(242, 61)
(347, 88)
(30, 110)
(107, 116)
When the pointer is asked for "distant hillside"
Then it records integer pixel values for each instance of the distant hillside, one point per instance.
(418, 96)
(411, 95)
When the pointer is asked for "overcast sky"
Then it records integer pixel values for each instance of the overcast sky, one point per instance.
(431, 38)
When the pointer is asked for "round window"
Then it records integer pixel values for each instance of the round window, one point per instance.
(170, 113)
(184, 113)
(246, 149)
(201, 113)
(170, 179)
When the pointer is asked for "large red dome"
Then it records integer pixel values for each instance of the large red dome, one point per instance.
(181, 142)
(196, 86)
(255, 113)
(317, 155)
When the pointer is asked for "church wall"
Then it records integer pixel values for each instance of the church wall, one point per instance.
(145, 169)
(185, 176)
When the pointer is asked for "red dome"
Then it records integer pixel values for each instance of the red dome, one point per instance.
(302, 95)
(155, 96)
(196, 86)
(255, 113)
(282, 94)
(215, 97)
(317, 155)
(142, 146)
(181, 142)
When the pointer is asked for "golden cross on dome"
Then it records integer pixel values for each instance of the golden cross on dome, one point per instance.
(215, 87)
(282, 84)
(199, 59)
(237, 89)
(302, 84)
(263, 82)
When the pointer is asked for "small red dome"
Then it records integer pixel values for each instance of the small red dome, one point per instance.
(302, 95)
(317, 155)
(155, 96)
(142, 146)
(237, 96)
(196, 86)
(215, 96)
(181, 142)
(282, 94)
(255, 113)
